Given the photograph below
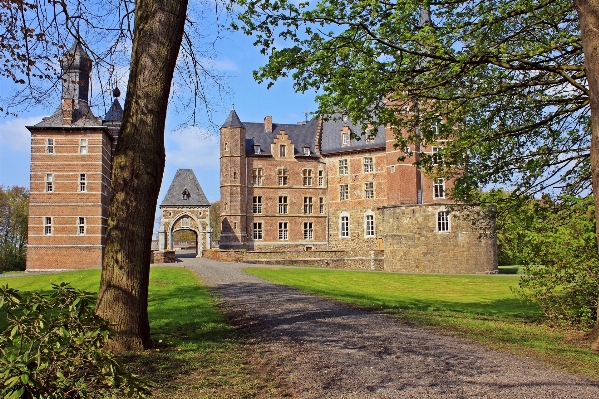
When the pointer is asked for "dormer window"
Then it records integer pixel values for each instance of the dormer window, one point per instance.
(307, 151)
(256, 148)
(185, 194)
(344, 138)
(344, 117)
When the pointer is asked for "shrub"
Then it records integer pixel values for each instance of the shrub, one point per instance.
(52, 347)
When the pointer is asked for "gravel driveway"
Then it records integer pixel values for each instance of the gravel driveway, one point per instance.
(322, 349)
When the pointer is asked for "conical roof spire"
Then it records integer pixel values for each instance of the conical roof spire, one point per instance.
(232, 120)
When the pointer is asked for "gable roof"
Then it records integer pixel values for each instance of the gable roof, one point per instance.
(185, 179)
(301, 135)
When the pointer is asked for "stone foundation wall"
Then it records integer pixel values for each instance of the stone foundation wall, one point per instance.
(162, 257)
(224, 255)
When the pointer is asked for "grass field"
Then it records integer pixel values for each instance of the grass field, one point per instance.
(197, 353)
(482, 308)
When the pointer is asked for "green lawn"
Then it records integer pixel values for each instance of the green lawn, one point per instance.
(197, 355)
(482, 308)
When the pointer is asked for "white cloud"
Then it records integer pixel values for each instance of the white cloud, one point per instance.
(192, 148)
(15, 136)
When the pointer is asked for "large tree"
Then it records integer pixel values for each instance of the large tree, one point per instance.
(14, 203)
(514, 82)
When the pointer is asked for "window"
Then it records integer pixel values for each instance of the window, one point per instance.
(283, 205)
(50, 146)
(369, 226)
(320, 178)
(436, 127)
(283, 177)
(344, 138)
(256, 148)
(234, 176)
(307, 151)
(308, 231)
(234, 225)
(437, 158)
(368, 165)
(185, 222)
(226, 206)
(307, 177)
(392, 168)
(308, 205)
(82, 146)
(344, 227)
(283, 231)
(47, 225)
(185, 194)
(442, 221)
(370, 138)
(321, 205)
(257, 176)
(81, 225)
(82, 182)
(343, 169)
(282, 150)
(257, 205)
(257, 234)
(49, 182)
(439, 188)
(369, 190)
(226, 146)
(343, 192)
(344, 117)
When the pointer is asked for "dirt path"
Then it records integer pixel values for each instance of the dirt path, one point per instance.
(322, 349)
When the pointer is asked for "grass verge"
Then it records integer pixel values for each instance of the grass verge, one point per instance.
(197, 355)
(481, 308)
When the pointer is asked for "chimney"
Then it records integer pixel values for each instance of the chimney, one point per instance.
(268, 124)
(68, 105)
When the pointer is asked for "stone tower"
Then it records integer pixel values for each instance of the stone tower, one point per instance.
(71, 163)
(233, 183)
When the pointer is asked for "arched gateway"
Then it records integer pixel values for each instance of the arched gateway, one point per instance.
(185, 207)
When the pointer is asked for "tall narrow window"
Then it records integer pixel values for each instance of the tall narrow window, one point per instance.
(369, 190)
(49, 182)
(343, 169)
(439, 188)
(81, 225)
(283, 205)
(257, 233)
(283, 177)
(343, 192)
(369, 226)
(437, 158)
(442, 221)
(321, 205)
(282, 150)
(82, 182)
(320, 178)
(344, 138)
(307, 151)
(82, 146)
(308, 231)
(257, 176)
(226, 146)
(283, 231)
(234, 176)
(47, 225)
(307, 177)
(308, 205)
(257, 205)
(344, 227)
(392, 168)
(368, 165)
(50, 146)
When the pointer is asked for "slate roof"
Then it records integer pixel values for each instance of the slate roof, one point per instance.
(185, 179)
(82, 116)
(331, 137)
(301, 135)
(115, 113)
(232, 120)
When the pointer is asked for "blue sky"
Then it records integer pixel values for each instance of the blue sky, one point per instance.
(194, 148)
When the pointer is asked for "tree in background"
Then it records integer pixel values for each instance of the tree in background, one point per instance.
(513, 83)
(14, 203)
(215, 223)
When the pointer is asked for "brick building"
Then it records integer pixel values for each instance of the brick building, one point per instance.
(71, 162)
(290, 189)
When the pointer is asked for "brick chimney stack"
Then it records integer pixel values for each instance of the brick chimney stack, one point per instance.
(268, 124)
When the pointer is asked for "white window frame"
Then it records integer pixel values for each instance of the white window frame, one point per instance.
(443, 222)
(439, 188)
(257, 176)
(436, 157)
(81, 226)
(308, 205)
(283, 205)
(48, 225)
(49, 146)
(369, 190)
(82, 182)
(321, 205)
(256, 148)
(49, 182)
(343, 167)
(369, 227)
(344, 225)
(343, 192)
(392, 168)
(83, 146)
(257, 205)
(307, 175)
(283, 177)
(308, 231)
(283, 150)
(257, 231)
(283, 231)
(307, 151)
(320, 178)
(368, 164)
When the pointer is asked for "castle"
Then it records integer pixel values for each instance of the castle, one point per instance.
(313, 193)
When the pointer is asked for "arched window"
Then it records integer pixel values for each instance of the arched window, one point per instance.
(344, 225)
(369, 230)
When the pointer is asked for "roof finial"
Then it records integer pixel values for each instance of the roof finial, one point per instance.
(233, 106)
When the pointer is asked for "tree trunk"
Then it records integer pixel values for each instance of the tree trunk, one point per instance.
(588, 13)
(137, 173)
